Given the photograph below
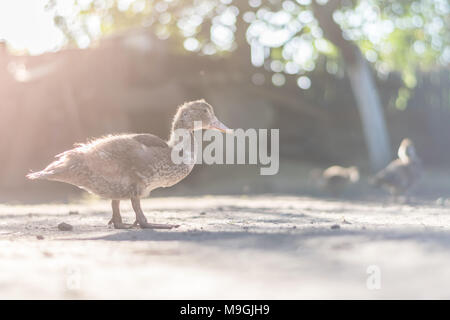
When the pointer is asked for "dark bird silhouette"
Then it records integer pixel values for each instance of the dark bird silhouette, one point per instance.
(130, 166)
(335, 179)
(401, 174)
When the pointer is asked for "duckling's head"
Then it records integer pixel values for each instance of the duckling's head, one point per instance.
(407, 152)
(197, 115)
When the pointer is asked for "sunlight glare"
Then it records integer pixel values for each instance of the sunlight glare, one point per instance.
(27, 26)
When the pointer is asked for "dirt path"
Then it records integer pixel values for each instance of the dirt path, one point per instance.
(228, 247)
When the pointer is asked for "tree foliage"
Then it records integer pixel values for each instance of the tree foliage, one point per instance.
(284, 37)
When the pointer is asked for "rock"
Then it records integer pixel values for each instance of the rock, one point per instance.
(202, 213)
(73, 213)
(40, 237)
(335, 226)
(65, 226)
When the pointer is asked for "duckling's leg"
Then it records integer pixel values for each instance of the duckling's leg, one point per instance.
(142, 221)
(116, 218)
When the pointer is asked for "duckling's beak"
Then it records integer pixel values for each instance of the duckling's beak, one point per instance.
(217, 125)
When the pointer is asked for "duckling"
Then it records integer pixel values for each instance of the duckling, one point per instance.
(130, 166)
(402, 173)
(336, 178)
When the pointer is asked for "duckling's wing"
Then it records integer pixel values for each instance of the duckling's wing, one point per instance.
(144, 160)
(125, 158)
(150, 140)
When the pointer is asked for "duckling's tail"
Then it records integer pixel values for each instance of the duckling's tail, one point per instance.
(54, 170)
(40, 175)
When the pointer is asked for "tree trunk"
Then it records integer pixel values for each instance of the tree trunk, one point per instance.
(371, 112)
(363, 87)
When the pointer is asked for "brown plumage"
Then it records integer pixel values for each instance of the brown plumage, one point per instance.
(336, 178)
(402, 173)
(130, 166)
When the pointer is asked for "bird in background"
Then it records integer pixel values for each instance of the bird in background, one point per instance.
(130, 166)
(335, 179)
(401, 174)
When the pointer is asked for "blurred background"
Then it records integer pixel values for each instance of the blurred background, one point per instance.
(344, 81)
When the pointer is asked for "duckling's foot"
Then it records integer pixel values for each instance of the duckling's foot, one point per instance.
(142, 221)
(116, 219)
(120, 225)
(146, 225)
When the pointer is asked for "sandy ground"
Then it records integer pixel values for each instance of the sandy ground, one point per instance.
(274, 247)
